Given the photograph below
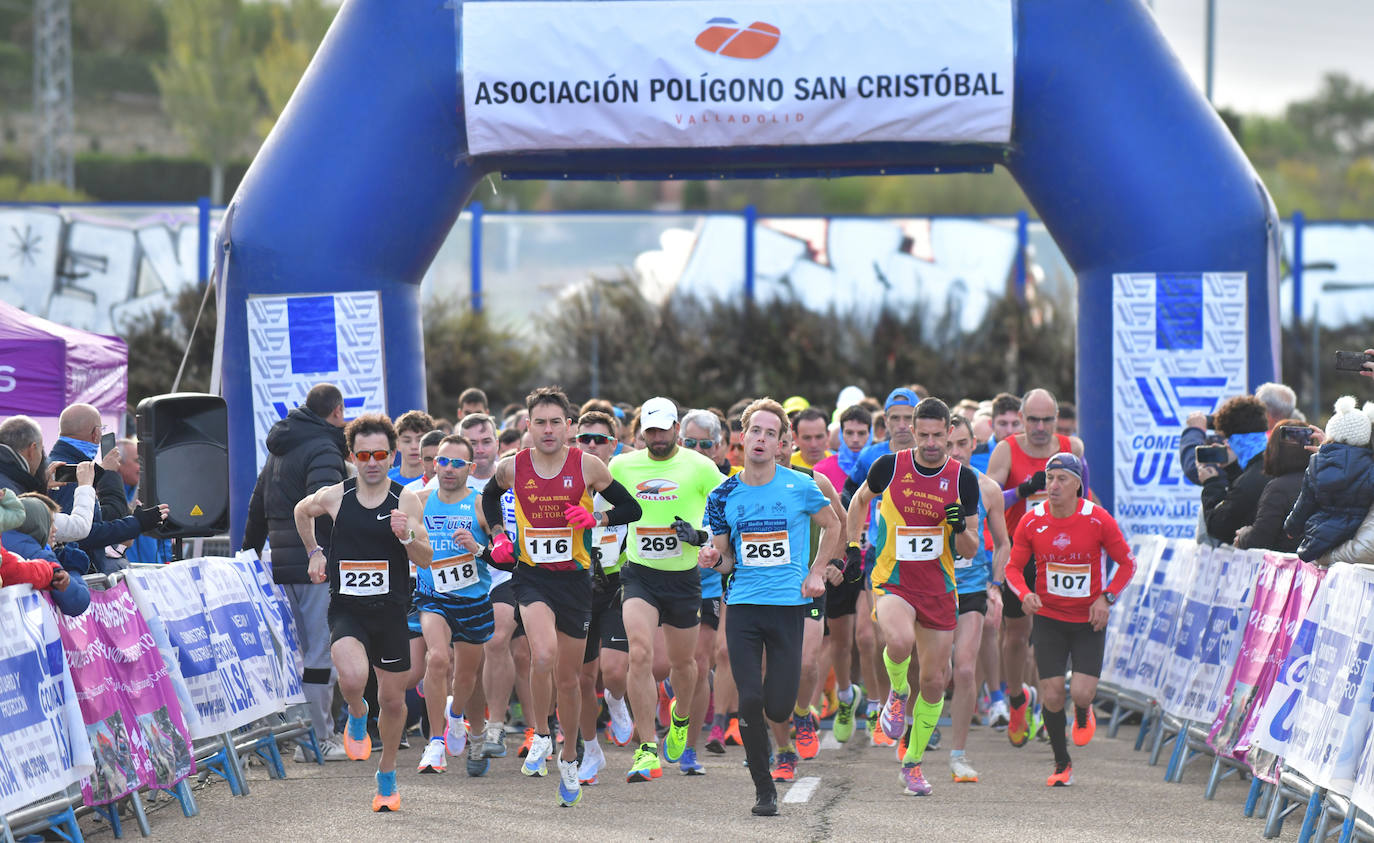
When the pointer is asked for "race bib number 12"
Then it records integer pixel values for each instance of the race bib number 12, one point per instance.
(920, 544)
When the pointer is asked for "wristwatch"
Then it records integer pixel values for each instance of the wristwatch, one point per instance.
(408, 539)
(1109, 597)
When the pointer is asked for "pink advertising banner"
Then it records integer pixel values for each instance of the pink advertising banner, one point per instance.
(137, 733)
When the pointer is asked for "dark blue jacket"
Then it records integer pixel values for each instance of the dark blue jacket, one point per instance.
(72, 600)
(102, 532)
(1337, 492)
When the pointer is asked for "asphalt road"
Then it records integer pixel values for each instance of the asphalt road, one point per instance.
(1116, 796)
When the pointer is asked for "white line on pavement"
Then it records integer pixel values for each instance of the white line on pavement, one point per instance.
(802, 790)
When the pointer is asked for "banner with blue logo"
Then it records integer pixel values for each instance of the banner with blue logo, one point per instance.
(1130, 618)
(1332, 720)
(44, 747)
(275, 613)
(1169, 585)
(1179, 348)
(295, 342)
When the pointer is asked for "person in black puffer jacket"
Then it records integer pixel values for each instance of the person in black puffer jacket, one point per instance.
(306, 452)
(1338, 488)
(1284, 463)
(1231, 494)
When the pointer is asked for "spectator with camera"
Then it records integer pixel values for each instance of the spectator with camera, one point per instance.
(1285, 461)
(1233, 480)
(1338, 487)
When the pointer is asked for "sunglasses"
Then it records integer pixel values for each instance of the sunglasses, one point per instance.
(369, 456)
(593, 438)
(698, 443)
(445, 462)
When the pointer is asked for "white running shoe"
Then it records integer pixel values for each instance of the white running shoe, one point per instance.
(433, 760)
(593, 759)
(962, 771)
(622, 725)
(999, 715)
(331, 748)
(569, 788)
(456, 733)
(536, 759)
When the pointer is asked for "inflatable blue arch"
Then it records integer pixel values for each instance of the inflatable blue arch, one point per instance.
(363, 177)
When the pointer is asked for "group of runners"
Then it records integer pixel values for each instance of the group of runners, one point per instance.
(690, 591)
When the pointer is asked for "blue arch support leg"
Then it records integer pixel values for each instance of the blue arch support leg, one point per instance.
(364, 175)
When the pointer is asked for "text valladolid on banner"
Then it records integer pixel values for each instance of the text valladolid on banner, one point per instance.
(1179, 348)
(596, 75)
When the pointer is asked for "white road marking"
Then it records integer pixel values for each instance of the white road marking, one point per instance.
(803, 788)
(828, 741)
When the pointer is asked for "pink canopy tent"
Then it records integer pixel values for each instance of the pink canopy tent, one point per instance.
(45, 367)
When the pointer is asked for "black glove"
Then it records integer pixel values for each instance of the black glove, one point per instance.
(954, 516)
(149, 518)
(687, 534)
(1035, 483)
(853, 563)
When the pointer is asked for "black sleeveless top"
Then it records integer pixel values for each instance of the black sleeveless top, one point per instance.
(367, 565)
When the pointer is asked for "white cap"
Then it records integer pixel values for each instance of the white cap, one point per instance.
(659, 413)
(849, 396)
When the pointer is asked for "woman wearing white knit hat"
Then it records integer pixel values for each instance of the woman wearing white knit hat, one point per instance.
(1338, 489)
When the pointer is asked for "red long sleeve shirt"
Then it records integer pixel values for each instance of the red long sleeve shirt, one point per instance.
(14, 570)
(1070, 563)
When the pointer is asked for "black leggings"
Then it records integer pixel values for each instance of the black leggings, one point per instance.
(750, 631)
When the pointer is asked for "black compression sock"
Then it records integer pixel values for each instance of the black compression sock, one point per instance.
(1055, 723)
(1080, 715)
(1017, 699)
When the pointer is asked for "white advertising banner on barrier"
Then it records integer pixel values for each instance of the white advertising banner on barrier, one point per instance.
(1331, 724)
(295, 342)
(689, 73)
(1178, 348)
(1165, 596)
(43, 742)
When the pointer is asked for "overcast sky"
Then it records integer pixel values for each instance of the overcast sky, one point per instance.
(1270, 52)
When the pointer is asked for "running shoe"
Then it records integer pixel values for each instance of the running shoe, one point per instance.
(998, 716)
(644, 764)
(785, 770)
(357, 742)
(494, 743)
(766, 803)
(689, 764)
(593, 759)
(1081, 736)
(875, 734)
(732, 737)
(665, 700)
(1018, 725)
(456, 732)
(808, 741)
(913, 782)
(622, 725)
(902, 743)
(525, 747)
(1061, 777)
(569, 788)
(893, 717)
(536, 760)
(962, 771)
(843, 726)
(676, 739)
(434, 759)
(388, 798)
(477, 761)
(715, 744)
(830, 700)
(331, 749)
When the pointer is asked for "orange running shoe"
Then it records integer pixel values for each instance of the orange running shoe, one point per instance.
(388, 798)
(1061, 777)
(525, 747)
(785, 770)
(732, 737)
(808, 741)
(1018, 729)
(1081, 736)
